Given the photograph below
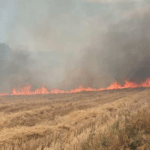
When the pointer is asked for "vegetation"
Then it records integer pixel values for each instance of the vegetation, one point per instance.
(132, 133)
(113, 120)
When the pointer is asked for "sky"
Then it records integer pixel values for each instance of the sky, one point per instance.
(66, 43)
(41, 25)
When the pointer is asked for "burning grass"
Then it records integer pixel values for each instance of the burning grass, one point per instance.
(81, 121)
(115, 85)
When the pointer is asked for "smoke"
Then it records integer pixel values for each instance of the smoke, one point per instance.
(122, 53)
(125, 50)
(14, 68)
(75, 43)
(20, 67)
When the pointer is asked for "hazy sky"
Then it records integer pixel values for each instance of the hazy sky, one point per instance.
(59, 24)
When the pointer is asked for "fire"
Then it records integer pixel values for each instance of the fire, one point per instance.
(26, 90)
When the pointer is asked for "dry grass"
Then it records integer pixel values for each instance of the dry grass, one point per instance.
(133, 133)
(74, 121)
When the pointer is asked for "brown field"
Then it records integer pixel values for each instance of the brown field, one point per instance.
(107, 120)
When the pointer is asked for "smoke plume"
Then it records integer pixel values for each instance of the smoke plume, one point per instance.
(70, 50)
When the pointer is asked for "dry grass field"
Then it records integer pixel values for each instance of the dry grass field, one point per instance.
(107, 120)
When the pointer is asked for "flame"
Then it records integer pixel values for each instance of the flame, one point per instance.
(26, 89)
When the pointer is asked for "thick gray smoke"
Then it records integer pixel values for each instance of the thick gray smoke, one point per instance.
(20, 67)
(122, 53)
(67, 51)
(14, 68)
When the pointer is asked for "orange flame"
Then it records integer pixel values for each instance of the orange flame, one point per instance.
(26, 89)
